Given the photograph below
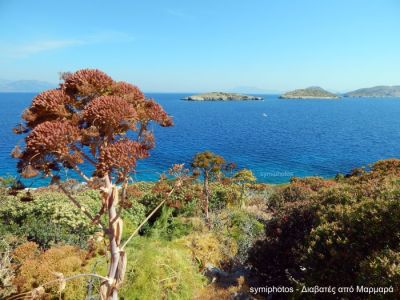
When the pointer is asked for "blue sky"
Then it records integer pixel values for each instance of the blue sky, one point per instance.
(170, 46)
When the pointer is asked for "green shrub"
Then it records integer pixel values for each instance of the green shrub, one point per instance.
(159, 269)
(133, 216)
(168, 227)
(49, 218)
(240, 226)
(223, 196)
(381, 269)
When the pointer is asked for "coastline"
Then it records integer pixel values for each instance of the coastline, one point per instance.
(311, 98)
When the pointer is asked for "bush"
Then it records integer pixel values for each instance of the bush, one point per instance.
(224, 195)
(168, 227)
(49, 218)
(381, 269)
(364, 227)
(207, 248)
(7, 272)
(337, 234)
(241, 227)
(158, 269)
(299, 189)
(36, 268)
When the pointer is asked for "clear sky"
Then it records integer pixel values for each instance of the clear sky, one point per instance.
(171, 45)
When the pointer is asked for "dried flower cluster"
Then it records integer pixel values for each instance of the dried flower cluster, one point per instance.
(47, 106)
(86, 84)
(152, 111)
(120, 157)
(110, 114)
(88, 110)
(128, 91)
(52, 137)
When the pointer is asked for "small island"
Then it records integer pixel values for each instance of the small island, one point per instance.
(221, 96)
(309, 93)
(375, 92)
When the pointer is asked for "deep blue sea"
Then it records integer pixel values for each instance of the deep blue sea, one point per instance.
(275, 138)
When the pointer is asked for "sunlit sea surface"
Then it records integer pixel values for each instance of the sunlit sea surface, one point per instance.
(276, 139)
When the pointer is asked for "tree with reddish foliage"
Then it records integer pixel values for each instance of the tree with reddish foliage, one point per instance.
(86, 120)
(209, 164)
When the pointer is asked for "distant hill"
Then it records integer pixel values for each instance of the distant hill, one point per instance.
(25, 85)
(376, 91)
(221, 96)
(314, 92)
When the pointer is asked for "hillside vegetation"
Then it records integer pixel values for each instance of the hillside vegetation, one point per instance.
(309, 93)
(312, 231)
(377, 91)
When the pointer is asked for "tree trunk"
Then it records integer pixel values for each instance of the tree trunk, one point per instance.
(242, 202)
(117, 264)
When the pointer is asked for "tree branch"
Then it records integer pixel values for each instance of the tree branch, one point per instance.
(26, 294)
(88, 158)
(77, 276)
(145, 220)
(78, 205)
(80, 172)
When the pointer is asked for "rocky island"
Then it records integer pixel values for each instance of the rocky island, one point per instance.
(221, 96)
(375, 92)
(309, 93)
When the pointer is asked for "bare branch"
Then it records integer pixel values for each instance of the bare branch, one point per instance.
(80, 172)
(27, 294)
(78, 205)
(145, 220)
(87, 157)
(77, 276)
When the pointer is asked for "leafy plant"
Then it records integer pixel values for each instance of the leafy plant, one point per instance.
(49, 218)
(160, 269)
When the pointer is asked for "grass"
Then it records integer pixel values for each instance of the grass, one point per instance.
(158, 269)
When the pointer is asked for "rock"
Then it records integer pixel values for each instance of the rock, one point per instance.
(220, 96)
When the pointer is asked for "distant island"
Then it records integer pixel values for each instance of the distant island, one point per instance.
(221, 96)
(376, 91)
(20, 86)
(309, 93)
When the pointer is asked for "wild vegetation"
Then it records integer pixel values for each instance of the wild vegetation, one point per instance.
(312, 231)
(339, 232)
(170, 254)
(207, 231)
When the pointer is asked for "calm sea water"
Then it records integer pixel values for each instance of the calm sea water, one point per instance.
(277, 139)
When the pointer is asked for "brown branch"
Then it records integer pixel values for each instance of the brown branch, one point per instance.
(77, 276)
(80, 172)
(88, 158)
(19, 296)
(26, 294)
(141, 130)
(147, 218)
(97, 217)
(78, 205)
